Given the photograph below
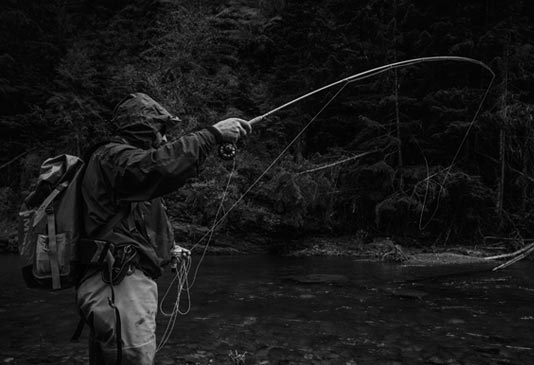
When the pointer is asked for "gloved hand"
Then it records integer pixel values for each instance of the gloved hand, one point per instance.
(178, 254)
(232, 129)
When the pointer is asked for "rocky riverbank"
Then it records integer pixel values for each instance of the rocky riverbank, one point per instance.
(384, 249)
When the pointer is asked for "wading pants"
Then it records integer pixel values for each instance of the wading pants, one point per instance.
(136, 297)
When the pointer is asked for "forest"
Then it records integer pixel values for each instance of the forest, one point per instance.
(429, 154)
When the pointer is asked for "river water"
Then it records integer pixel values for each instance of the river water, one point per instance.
(318, 310)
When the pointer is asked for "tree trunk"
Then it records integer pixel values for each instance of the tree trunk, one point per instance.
(502, 136)
(398, 124)
(502, 164)
(396, 93)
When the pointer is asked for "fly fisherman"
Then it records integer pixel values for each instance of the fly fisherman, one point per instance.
(124, 182)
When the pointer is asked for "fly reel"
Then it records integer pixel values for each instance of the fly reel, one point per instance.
(227, 151)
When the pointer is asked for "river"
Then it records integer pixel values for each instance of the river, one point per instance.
(317, 310)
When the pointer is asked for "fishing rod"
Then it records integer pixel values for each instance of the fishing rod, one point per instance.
(227, 151)
(373, 72)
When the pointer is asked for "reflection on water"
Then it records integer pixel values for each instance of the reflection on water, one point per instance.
(282, 311)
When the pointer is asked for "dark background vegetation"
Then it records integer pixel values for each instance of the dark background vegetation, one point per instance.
(65, 64)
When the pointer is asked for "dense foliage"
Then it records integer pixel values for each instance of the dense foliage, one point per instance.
(434, 174)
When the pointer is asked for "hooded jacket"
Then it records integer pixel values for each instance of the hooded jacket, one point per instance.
(131, 172)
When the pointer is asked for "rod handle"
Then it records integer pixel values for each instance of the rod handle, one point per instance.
(256, 120)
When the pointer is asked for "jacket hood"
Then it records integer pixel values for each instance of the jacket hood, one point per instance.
(138, 118)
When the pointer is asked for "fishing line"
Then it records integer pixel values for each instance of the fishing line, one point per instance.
(357, 77)
(182, 276)
(258, 179)
(184, 270)
(214, 225)
(185, 265)
(464, 139)
(326, 166)
(427, 185)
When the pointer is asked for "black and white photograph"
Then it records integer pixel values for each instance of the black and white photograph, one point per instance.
(267, 182)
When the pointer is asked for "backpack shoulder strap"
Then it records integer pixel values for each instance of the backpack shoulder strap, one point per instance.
(40, 212)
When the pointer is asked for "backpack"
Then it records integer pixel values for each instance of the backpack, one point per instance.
(55, 252)
(49, 225)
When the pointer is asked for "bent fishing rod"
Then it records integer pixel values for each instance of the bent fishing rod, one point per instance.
(373, 72)
(227, 151)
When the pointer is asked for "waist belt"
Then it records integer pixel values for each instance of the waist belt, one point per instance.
(121, 262)
(114, 261)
